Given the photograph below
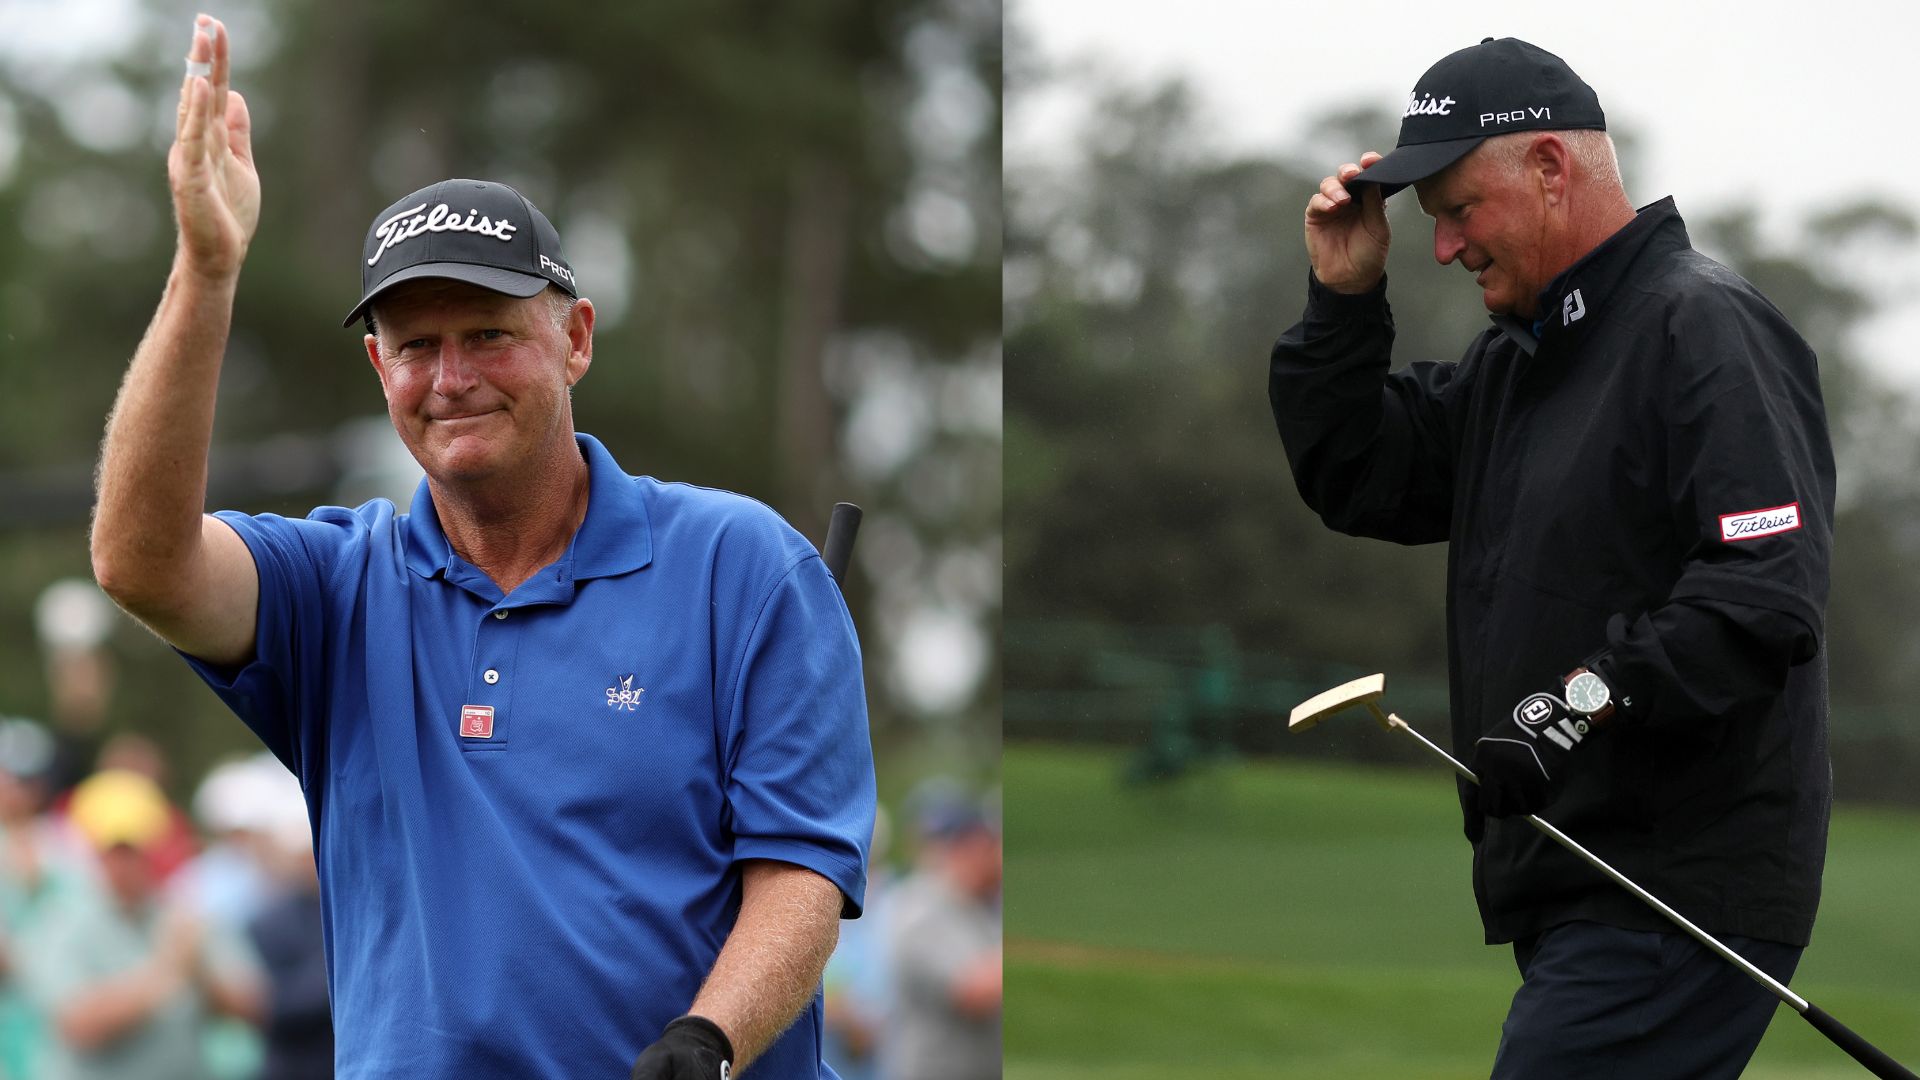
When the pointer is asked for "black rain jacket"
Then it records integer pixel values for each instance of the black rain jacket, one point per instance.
(1647, 485)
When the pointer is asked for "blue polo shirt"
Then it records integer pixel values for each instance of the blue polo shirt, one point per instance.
(529, 809)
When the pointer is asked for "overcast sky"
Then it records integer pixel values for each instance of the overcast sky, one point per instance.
(1798, 106)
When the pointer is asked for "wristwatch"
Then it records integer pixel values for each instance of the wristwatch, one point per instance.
(1588, 696)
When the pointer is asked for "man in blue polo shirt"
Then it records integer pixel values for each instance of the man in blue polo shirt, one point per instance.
(585, 754)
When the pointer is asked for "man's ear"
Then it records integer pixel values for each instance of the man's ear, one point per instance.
(579, 340)
(1550, 159)
(373, 357)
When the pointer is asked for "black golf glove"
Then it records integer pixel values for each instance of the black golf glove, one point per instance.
(691, 1048)
(1521, 765)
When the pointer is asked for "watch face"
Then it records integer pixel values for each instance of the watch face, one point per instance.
(1586, 694)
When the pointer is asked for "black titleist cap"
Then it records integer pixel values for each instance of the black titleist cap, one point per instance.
(1489, 89)
(482, 233)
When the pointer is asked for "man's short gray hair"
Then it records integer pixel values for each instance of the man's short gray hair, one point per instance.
(1593, 153)
(562, 306)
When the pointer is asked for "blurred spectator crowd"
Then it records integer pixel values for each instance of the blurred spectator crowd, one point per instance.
(137, 941)
(913, 991)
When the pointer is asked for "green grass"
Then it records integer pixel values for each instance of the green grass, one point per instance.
(1286, 920)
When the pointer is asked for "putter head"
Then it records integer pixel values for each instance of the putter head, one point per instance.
(1362, 691)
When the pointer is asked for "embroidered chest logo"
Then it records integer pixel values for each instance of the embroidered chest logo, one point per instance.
(1573, 308)
(624, 695)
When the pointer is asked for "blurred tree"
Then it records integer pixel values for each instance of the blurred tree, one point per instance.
(787, 216)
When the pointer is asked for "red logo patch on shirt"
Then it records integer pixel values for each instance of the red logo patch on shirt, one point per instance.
(1754, 524)
(476, 721)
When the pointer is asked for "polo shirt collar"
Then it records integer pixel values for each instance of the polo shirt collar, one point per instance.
(615, 538)
(1520, 330)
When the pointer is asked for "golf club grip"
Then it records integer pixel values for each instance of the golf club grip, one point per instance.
(841, 529)
(1864, 1052)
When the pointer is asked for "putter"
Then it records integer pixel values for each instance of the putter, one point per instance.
(1368, 690)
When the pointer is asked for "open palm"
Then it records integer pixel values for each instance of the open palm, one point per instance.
(216, 192)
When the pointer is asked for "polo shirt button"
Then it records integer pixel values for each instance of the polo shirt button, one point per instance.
(491, 676)
(499, 614)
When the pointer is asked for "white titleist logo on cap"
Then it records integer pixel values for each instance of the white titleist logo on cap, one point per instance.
(408, 224)
(1417, 106)
(1757, 523)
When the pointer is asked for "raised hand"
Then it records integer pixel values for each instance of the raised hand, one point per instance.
(1347, 234)
(216, 192)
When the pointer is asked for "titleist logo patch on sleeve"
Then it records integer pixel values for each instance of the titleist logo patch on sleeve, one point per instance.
(1757, 523)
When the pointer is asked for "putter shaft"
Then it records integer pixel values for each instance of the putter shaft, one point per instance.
(1778, 988)
(1367, 690)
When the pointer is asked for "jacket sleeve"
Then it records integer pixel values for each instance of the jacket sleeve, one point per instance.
(1750, 479)
(1371, 451)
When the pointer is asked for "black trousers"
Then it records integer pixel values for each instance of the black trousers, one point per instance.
(1600, 1003)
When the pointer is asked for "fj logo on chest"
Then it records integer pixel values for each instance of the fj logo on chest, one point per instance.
(623, 695)
(1573, 308)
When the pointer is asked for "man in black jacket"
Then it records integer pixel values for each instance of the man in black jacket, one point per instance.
(1633, 470)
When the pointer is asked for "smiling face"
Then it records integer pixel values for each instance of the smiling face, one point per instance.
(1491, 214)
(477, 381)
